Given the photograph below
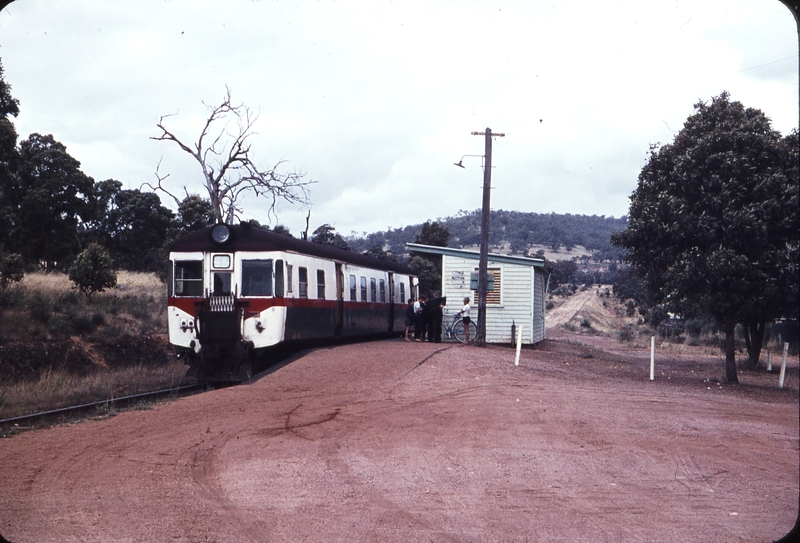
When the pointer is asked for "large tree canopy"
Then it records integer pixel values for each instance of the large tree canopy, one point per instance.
(52, 197)
(713, 224)
(9, 157)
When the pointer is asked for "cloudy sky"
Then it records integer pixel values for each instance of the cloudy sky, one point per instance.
(376, 99)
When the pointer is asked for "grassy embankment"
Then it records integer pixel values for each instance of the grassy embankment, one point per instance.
(59, 348)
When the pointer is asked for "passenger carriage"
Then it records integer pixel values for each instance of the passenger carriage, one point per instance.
(236, 291)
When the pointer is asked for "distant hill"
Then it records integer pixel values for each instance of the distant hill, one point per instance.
(511, 232)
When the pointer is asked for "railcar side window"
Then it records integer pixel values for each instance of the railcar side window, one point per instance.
(256, 278)
(373, 290)
(363, 289)
(403, 293)
(382, 287)
(279, 278)
(302, 278)
(321, 284)
(353, 289)
(289, 283)
(189, 278)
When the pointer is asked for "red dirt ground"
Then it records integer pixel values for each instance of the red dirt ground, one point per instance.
(395, 441)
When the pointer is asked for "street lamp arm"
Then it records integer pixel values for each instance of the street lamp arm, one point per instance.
(460, 165)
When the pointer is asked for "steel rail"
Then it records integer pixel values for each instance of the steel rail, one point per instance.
(28, 421)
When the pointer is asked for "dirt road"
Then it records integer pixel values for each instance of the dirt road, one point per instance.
(391, 441)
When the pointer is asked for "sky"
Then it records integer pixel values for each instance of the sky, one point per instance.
(375, 100)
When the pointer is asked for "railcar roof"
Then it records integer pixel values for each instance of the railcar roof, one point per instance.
(248, 238)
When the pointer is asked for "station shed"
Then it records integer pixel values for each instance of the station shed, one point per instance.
(516, 292)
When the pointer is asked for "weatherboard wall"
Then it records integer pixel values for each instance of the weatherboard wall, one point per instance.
(519, 297)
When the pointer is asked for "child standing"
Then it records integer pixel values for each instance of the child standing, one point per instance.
(465, 317)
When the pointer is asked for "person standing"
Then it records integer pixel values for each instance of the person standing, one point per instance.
(419, 309)
(436, 315)
(409, 316)
(465, 317)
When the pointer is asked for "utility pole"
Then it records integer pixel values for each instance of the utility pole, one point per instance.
(483, 263)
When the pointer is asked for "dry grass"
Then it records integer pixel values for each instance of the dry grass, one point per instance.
(44, 308)
(56, 389)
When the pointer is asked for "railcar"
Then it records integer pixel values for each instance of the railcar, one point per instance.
(237, 292)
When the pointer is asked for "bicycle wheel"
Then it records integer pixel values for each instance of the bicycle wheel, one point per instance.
(459, 332)
(473, 330)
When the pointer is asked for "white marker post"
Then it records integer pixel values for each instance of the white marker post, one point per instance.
(652, 358)
(769, 361)
(519, 344)
(783, 365)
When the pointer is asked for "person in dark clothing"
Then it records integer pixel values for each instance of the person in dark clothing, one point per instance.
(419, 318)
(436, 314)
(409, 315)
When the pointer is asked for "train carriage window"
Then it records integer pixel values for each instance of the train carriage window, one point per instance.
(279, 278)
(402, 292)
(353, 289)
(189, 278)
(302, 278)
(382, 287)
(222, 284)
(321, 284)
(256, 278)
(289, 282)
(373, 290)
(363, 289)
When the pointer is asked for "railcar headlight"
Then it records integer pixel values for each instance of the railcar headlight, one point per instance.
(220, 233)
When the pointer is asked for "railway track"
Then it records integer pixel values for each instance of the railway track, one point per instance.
(79, 412)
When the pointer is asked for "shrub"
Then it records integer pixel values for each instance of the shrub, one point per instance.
(12, 270)
(93, 270)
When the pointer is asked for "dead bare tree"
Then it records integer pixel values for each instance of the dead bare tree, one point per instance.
(228, 170)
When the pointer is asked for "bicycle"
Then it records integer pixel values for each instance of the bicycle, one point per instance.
(456, 329)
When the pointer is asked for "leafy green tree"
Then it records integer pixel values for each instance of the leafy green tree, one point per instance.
(714, 220)
(131, 224)
(12, 269)
(327, 235)
(52, 199)
(433, 233)
(93, 270)
(429, 267)
(9, 158)
(194, 213)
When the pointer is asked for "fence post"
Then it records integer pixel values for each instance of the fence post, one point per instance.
(652, 358)
(783, 365)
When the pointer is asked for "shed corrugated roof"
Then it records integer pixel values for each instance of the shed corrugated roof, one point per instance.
(463, 253)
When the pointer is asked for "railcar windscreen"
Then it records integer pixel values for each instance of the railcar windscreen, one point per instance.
(257, 278)
(189, 278)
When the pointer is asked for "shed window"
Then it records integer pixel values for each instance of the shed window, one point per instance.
(189, 278)
(256, 278)
(493, 287)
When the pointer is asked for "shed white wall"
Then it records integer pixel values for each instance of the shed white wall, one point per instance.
(521, 298)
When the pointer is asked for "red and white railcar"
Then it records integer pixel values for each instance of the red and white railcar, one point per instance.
(236, 291)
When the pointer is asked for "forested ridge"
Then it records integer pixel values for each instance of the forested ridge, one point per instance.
(512, 232)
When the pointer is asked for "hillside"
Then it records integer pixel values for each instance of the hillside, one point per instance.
(559, 236)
